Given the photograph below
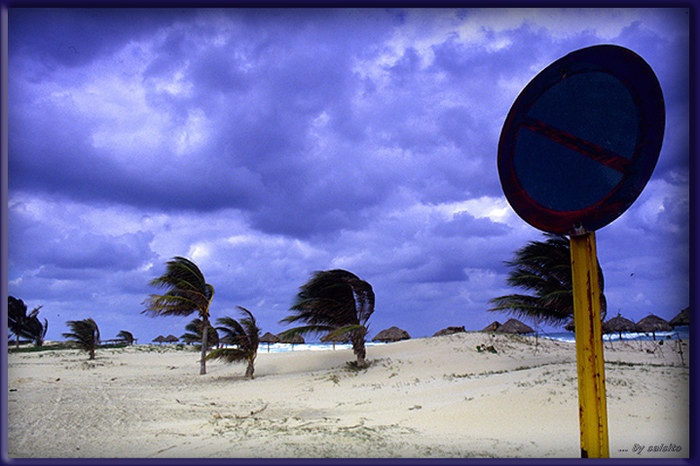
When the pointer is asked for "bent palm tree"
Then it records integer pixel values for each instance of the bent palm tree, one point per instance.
(25, 325)
(188, 292)
(85, 334)
(543, 268)
(126, 336)
(334, 301)
(194, 334)
(35, 330)
(244, 335)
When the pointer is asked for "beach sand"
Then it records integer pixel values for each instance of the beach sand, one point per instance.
(425, 398)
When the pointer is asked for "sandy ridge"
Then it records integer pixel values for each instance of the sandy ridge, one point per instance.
(430, 397)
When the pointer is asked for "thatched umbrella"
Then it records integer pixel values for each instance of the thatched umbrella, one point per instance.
(653, 324)
(269, 338)
(515, 326)
(492, 327)
(391, 334)
(449, 331)
(344, 338)
(618, 325)
(170, 339)
(159, 339)
(293, 340)
(683, 318)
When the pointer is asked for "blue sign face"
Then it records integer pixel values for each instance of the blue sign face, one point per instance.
(582, 139)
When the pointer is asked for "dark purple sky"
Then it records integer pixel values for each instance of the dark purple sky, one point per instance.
(265, 145)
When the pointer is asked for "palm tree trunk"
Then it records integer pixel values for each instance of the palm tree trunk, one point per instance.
(358, 347)
(205, 331)
(249, 370)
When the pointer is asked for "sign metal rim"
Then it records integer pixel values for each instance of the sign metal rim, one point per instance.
(639, 79)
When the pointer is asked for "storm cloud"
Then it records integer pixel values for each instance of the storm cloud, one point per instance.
(268, 144)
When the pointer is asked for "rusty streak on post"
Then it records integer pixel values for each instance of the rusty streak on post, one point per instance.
(589, 347)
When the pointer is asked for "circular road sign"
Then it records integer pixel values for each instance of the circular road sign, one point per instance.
(582, 139)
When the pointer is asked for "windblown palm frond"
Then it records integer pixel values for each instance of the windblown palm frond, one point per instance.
(187, 292)
(334, 301)
(35, 330)
(243, 335)
(194, 334)
(544, 269)
(23, 324)
(126, 336)
(85, 334)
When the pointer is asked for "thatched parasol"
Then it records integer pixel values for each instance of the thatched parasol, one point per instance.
(683, 318)
(159, 339)
(170, 339)
(392, 334)
(449, 331)
(618, 325)
(269, 338)
(293, 340)
(343, 338)
(515, 326)
(653, 324)
(492, 327)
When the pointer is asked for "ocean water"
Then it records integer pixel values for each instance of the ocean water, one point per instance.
(678, 333)
(682, 333)
(313, 346)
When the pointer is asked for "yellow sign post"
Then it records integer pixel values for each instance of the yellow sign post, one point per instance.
(565, 173)
(593, 416)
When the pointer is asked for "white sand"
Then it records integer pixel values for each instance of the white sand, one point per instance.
(431, 397)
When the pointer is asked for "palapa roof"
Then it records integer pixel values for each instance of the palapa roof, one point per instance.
(170, 339)
(515, 326)
(343, 338)
(683, 318)
(619, 324)
(294, 339)
(392, 334)
(492, 327)
(652, 323)
(449, 331)
(269, 338)
(159, 339)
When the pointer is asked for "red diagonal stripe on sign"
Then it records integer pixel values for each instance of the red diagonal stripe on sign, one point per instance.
(589, 149)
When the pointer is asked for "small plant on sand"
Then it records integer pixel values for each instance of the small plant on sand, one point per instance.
(354, 366)
(244, 335)
(84, 334)
(484, 348)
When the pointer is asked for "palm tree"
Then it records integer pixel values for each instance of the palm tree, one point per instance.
(187, 292)
(544, 269)
(25, 325)
(35, 330)
(244, 335)
(194, 334)
(126, 336)
(334, 301)
(85, 334)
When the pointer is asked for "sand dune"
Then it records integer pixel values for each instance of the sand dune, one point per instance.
(430, 397)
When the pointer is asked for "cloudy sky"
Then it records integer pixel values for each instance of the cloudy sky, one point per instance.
(266, 145)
